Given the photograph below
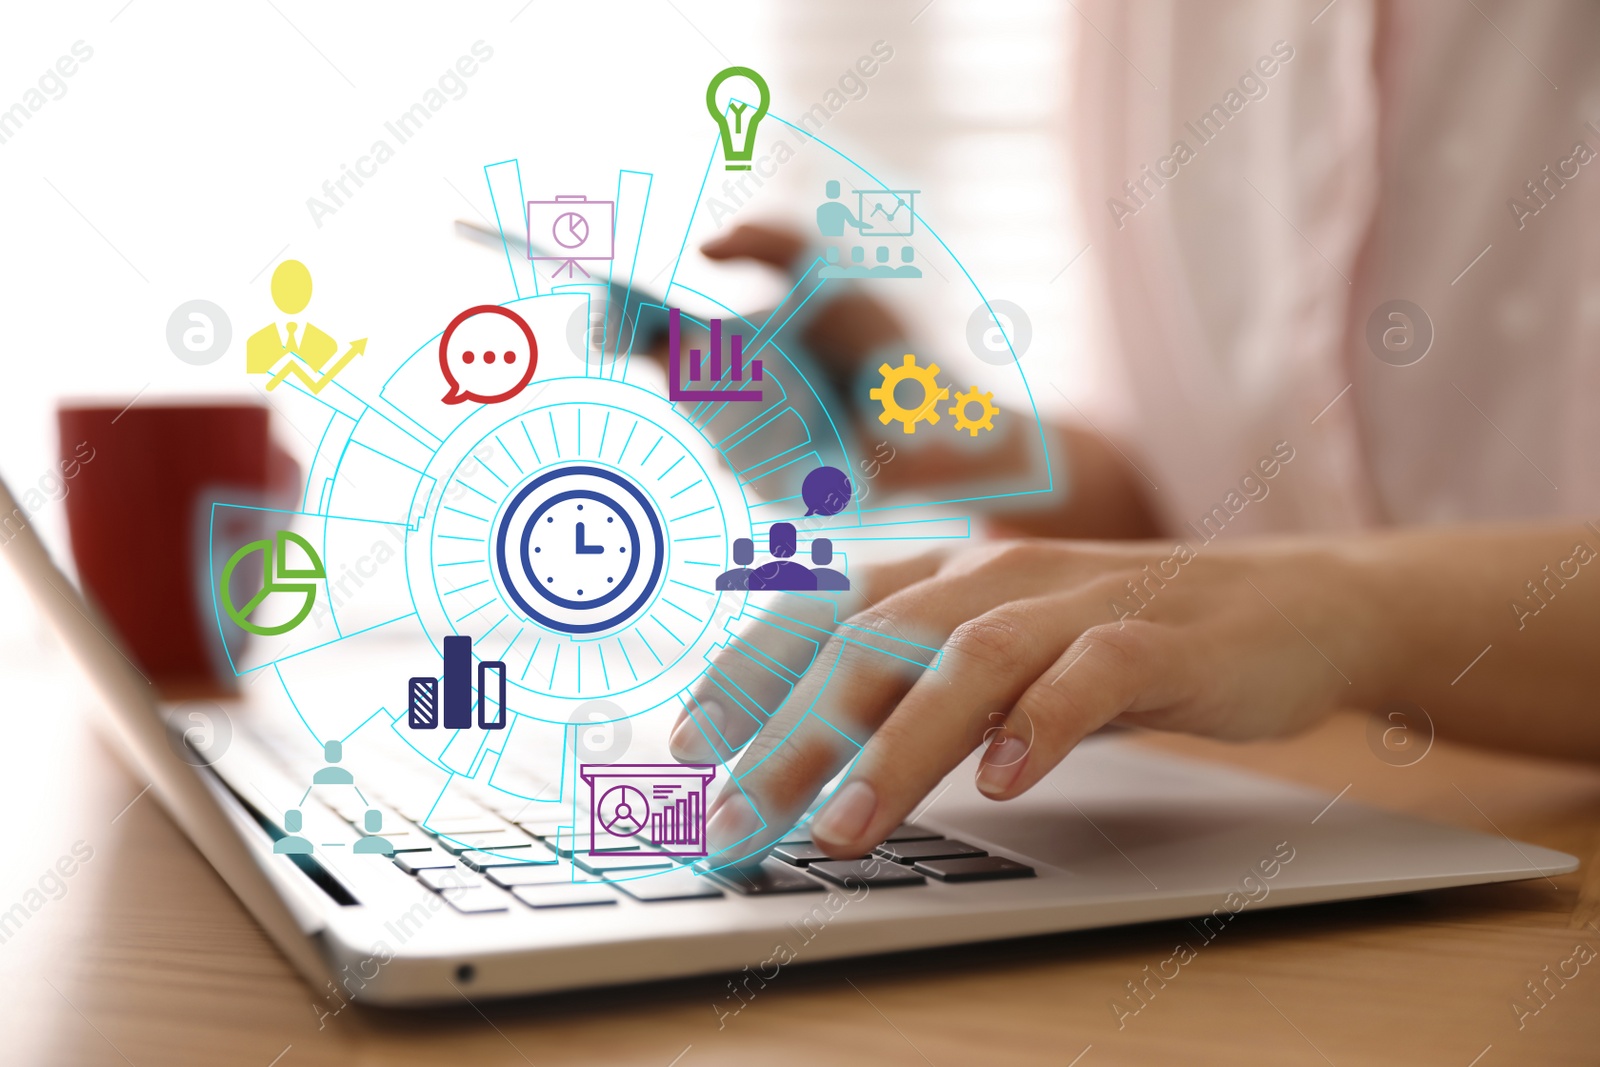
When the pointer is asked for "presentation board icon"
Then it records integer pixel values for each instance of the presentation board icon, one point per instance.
(647, 809)
(571, 230)
(737, 370)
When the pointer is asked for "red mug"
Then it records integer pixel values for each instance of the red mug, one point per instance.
(139, 520)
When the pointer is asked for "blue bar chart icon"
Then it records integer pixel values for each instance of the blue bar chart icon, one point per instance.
(458, 683)
(425, 710)
(492, 708)
(422, 704)
(709, 391)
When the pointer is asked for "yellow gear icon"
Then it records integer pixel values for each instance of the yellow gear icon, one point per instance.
(932, 393)
(984, 400)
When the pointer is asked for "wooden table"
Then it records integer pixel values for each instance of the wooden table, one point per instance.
(148, 959)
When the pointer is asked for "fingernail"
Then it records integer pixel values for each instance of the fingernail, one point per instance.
(732, 822)
(688, 743)
(1002, 763)
(844, 818)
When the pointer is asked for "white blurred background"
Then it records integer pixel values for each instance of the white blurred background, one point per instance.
(176, 162)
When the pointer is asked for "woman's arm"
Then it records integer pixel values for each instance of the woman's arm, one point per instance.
(1036, 644)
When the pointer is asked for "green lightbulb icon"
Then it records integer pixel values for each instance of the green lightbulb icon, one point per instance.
(738, 130)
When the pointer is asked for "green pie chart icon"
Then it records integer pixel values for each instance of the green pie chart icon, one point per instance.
(279, 579)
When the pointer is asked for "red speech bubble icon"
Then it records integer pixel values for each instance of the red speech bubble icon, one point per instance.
(487, 354)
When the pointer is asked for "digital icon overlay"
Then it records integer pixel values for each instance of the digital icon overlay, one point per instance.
(303, 353)
(884, 218)
(826, 491)
(736, 366)
(782, 573)
(371, 842)
(578, 230)
(926, 379)
(580, 549)
(925, 410)
(425, 710)
(280, 581)
(430, 514)
(487, 354)
(738, 131)
(961, 402)
(647, 809)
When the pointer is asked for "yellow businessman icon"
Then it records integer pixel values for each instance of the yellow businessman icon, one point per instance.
(283, 353)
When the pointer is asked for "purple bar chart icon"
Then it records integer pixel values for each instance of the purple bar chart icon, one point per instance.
(708, 391)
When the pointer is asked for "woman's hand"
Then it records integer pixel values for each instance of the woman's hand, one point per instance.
(1024, 647)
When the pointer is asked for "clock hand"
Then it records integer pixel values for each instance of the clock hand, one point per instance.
(586, 550)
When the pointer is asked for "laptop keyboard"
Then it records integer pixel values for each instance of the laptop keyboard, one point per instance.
(487, 862)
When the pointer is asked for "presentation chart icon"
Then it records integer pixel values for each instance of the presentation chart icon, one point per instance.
(647, 809)
(423, 707)
(571, 230)
(281, 584)
(709, 391)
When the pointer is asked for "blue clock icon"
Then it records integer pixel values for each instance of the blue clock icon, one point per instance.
(580, 549)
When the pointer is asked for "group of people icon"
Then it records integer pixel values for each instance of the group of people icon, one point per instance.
(372, 841)
(783, 573)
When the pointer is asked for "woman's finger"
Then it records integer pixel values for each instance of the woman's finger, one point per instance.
(859, 677)
(773, 245)
(749, 677)
(1109, 670)
(984, 666)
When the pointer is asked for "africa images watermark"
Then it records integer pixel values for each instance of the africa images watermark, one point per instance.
(1541, 191)
(51, 885)
(1252, 489)
(1543, 590)
(405, 126)
(52, 487)
(1253, 889)
(51, 85)
(1142, 188)
(811, 925)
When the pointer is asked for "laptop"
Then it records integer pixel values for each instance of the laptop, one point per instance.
(485, 900)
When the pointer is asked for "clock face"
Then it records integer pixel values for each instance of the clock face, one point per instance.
(579, 549)
(579, 543)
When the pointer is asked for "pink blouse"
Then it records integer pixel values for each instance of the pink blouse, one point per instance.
(1262, 182)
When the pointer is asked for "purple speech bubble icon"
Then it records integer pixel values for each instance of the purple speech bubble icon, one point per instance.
(826, 491)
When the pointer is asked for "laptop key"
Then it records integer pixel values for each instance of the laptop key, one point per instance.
(496, 842)
(450, 878)
(667, 885)
(941, 849)
(771, 877)
(483, 824)
(433, 859)
(974, 869)
(800, 854)
(556, 874)
(476, 901)
(486, 861)
(871, 872)
(911, 832)
(571, 895)
(625, 862)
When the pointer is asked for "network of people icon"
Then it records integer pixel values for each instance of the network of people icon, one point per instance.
(371, 842)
